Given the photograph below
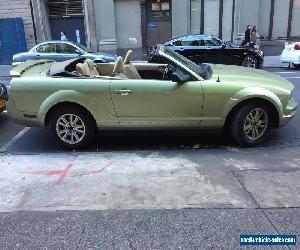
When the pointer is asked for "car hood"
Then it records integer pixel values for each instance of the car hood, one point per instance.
(250, 77)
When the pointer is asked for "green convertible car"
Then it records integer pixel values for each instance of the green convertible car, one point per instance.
(76, 98)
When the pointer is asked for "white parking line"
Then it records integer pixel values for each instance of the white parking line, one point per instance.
(13, 140)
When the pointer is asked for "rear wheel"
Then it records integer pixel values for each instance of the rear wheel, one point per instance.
(297, 66)
(249, 62)
(72, 127)
(250, 124)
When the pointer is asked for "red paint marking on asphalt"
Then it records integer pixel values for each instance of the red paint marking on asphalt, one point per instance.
(102, 169)
(62, 173)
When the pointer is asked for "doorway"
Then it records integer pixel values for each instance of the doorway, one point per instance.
(159, 21)
(67, 16)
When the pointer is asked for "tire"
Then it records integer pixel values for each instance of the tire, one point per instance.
(64, 131)
(249, 61)
(250, 132)
(3, 92)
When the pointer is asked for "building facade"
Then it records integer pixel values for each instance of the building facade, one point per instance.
(118, 25)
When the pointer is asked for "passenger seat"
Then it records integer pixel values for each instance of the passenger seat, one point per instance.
(130, 70)
(90, 68)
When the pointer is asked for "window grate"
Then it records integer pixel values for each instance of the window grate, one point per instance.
(65, 8)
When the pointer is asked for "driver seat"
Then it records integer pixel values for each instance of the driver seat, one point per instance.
(130, 70)
(119, 69)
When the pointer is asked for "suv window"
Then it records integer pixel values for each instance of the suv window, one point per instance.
(46, 48)
(65, 48)
(187, 41)
(210, 41)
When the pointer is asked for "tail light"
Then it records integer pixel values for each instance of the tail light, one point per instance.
(297, 47)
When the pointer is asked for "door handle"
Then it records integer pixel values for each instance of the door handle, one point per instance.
(123, 92)
(181, 49)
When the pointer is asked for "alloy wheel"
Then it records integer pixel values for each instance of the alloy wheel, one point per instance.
(70, 128)
(256, 124)
(249, 62)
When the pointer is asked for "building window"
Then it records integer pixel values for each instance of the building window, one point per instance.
(227, 20)
(295, 31)
(280, 18)
(264, 17)
(160, 8)
(195, 17)
(211, 17)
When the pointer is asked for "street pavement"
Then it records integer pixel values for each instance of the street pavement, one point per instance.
(147, 191)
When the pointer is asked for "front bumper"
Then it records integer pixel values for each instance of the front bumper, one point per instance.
(289, 112)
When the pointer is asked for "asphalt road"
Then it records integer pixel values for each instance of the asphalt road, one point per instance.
(147, 191)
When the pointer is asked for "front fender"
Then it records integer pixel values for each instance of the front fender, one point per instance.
(65, 96)
(249, 93)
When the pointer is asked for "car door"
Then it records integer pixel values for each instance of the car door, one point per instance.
(46, 51)
(212, 49)
(157, 103)
(66, 51)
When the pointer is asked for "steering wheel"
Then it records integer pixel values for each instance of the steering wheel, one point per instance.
(168, 72)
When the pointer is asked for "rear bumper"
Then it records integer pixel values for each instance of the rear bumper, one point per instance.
(290, 57)
(19, 117)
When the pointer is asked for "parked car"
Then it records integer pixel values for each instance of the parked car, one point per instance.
(77, 97)
(3, 97)
(61, 51)
(291, 54)
(209, 49)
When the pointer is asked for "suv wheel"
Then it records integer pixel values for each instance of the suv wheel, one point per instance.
(72, 127)
(249, 62)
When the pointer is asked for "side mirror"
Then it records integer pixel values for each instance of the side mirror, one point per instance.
(179, 77)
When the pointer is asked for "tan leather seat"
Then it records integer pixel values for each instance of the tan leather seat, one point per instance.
(90, 68)
(119, 69)
(129, 69)
(81, 69)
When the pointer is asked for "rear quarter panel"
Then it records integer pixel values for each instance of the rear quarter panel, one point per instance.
(36, 95)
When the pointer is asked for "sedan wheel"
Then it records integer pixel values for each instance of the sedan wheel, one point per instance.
(72, 127)
(250, 124)
(249, 62)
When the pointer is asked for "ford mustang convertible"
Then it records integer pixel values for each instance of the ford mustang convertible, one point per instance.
(75, 98)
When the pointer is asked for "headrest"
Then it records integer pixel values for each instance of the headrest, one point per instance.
(80, 69)
(90, 63)
(119, 66)
(128, 57)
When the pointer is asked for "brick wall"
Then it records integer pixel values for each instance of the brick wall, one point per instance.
(19, 8)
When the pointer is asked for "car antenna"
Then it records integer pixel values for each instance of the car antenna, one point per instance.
(218, 80)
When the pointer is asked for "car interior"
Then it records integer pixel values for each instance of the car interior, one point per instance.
(121, 69)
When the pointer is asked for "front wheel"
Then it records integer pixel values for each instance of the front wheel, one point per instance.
(249, 62)
(72, 127)
(250, 124)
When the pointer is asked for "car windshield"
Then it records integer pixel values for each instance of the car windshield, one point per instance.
(203, 70)
(85, 49)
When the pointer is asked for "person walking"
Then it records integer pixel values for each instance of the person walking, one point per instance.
(247, 36)
(253, 37)
(63, 36)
